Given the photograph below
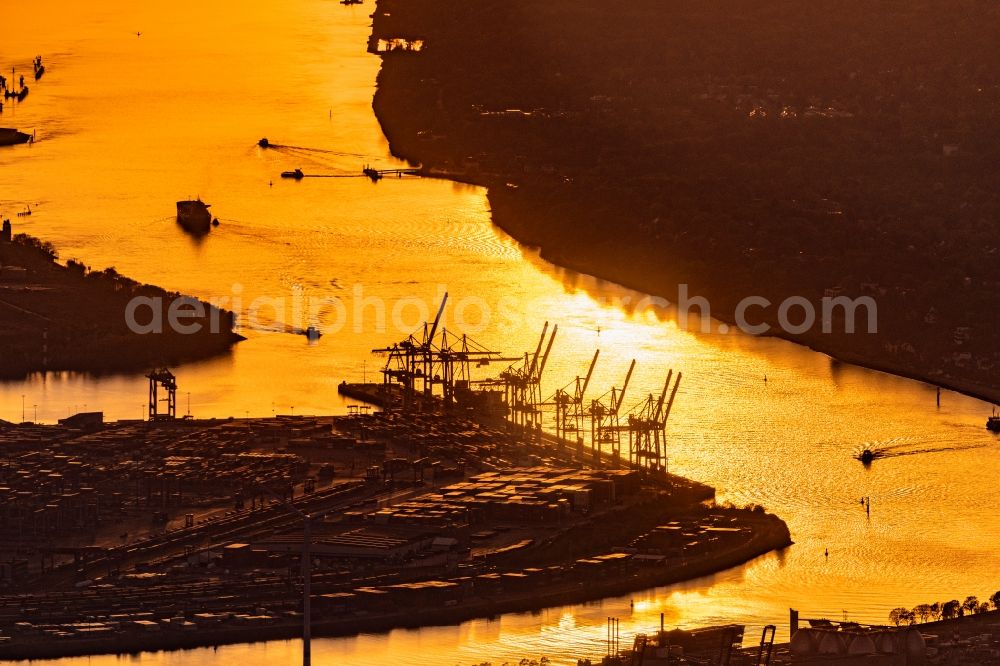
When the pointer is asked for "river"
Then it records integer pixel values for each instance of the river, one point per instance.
(147, 103)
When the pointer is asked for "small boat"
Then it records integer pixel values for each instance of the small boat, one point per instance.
(11, 137)
(22, 94)
(194, 217)
(374, 174)
(313, 333)
(993, 423)
(264, 143)
(297, 174)
(866, 457)
(351, 2)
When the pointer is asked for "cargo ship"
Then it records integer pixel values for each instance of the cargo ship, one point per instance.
(11, 137)
(194, 217)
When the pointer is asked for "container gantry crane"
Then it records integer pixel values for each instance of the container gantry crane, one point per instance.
(522, 386)
(605, 431)
(431, 359)
(569, 408)
(165, 379)
(647, 425)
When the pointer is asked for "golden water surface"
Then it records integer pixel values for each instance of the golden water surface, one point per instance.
(128, 123)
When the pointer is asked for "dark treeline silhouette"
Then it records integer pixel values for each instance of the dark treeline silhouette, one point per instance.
(947, 610)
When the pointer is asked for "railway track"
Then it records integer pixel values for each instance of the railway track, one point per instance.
(184, 541)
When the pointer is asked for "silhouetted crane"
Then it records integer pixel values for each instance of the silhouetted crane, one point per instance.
(569, 408)
(165, 379)
(647, 424)
(605, 432)
(434, 358)
(522, 385)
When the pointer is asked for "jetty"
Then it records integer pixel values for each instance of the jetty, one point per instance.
(378, 174)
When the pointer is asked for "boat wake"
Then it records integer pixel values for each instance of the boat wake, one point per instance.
(320, 151)
(872, 452)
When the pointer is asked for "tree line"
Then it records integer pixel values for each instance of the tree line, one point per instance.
(946, 610)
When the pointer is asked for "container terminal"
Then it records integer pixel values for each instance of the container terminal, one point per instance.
(457, 495)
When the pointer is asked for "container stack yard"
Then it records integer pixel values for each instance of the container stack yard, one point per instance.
(139, 533)
(173, 531)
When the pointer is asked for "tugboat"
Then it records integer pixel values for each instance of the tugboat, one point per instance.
(11, 137)
(194, 217)
(993, 423)
(297, 174)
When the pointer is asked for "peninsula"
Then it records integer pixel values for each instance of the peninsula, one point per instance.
(56, 317)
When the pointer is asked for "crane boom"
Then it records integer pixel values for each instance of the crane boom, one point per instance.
(673, 395)
(437, 319)
(545, 359)
(538, 350)
(663, 396)
(590, 373)
(621, 396)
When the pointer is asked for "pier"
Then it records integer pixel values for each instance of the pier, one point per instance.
(378, 174)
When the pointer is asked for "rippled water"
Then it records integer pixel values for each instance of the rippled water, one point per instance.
(127, 124)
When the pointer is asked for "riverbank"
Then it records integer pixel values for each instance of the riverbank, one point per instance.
(964, 641)
(769, 534)
(652, 177)
(57, 317)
